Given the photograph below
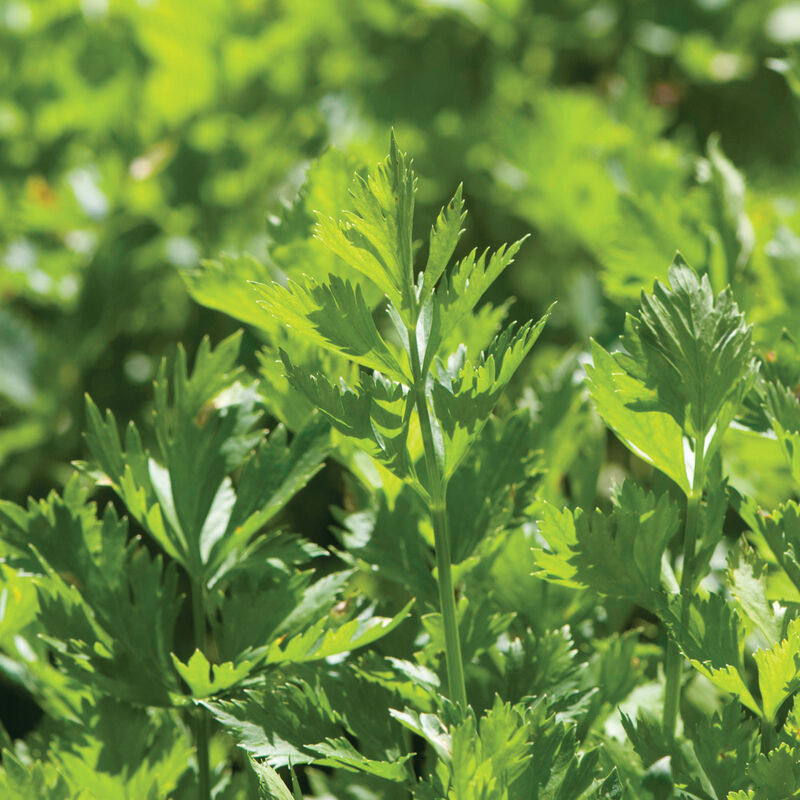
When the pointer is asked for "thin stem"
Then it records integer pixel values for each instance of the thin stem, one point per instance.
(438, 511)
(674, 660)
(672, 690)
(202, 728)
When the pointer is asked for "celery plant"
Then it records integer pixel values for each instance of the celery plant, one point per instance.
(669, 395)
(413, 383)
(205, 497)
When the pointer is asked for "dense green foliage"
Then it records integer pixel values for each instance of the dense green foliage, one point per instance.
(386, 541)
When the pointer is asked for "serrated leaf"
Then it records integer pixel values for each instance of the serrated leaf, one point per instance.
(326, 191)
(340, 754)
(205, 679)
(19, 781)
(279, 723)
(185, 497)
(444, 237)
(586, 549)
(782, 409)
(713, 640)
(119, 751)
(558, 769)
(460, 291)
(776, 775)
(493, 484)
(375, 413)
(724, 744)
(430, 727)
(335, 316)
(463, 404)
(652, 435)
(270, 785)
(479, 625)
(488, 757)
(729, 206)
(649, 226)
(781, 531)
(387, 541)
(680, 337)
(375, 238)
(269, 479)
(747, 582)
(779, 670)
(317, 643)
(106, 605)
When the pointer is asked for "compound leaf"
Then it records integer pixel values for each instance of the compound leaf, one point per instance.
(587, 549)
(692, 351)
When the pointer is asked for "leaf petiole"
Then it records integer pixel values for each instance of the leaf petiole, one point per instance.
(674, 659)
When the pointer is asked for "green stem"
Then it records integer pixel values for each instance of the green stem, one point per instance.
(768, 736)
(202, 728)
(674, 660)
(438, 511)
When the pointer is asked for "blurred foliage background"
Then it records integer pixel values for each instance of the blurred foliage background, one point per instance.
(138, 138)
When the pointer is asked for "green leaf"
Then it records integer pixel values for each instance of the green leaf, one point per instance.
(293, 247)
(186, 498)
(269, 479)
(205, 679)
(776, 775)
(270, 785)
(263, 599)
(460, 291)
(107, 607)
(649, 226)
(724, 744)
(782, 408)
(652, 435)
(559, 768)
(428, 726)
(729, 207)
(375, 238)
(489, 757)
(20, 781)
(317, 643)
(340, 754)
(116, 751)
(691, 352)
(747, 581)
(781, 531)
(277, 724)
(466, 394)
(713, 640)
(223, 284)
(443, 240)
(587, 549)
(335, 316)
(375, 413)
(779, 670)
(479, 625)
(494, 483)
(387, 541)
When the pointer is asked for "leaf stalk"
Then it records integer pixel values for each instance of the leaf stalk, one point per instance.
(674, 659)
(438, 512)
(202, 728)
